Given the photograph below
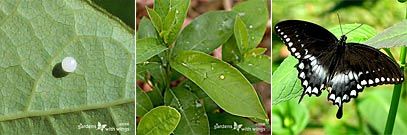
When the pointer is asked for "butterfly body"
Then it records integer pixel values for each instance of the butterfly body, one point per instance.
(325, 62)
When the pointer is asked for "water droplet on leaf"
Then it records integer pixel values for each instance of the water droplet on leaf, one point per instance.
(222, 77)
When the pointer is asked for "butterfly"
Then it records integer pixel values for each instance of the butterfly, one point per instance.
(324, 62)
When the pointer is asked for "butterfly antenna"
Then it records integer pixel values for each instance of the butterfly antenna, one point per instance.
(340, 25)
(354, 29)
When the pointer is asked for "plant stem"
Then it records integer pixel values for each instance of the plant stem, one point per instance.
(396, 97)
(396, 94)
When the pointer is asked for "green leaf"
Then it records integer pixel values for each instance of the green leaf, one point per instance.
(289, 118)
(230, 51)
(147, 48)
(287, 85)
(207, 32)
(168, 22)
(208, 103)
(374, 107)
(241, 35)
(258, 66)
(153, 68)
(358, 35)
(162, 7)
(393, 36)
(223, 83)
(224, 124)
(173, 14)
(155, 19)
(156, 96)
(254, 14)
(340, 128)
(193, 116)
(143, 104)
(123, 9)
(146, 29)
(35, 36)
(161, 120)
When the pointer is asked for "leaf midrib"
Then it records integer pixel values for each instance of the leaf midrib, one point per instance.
(25, 114)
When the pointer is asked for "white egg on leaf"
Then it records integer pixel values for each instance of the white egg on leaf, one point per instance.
(69, 64)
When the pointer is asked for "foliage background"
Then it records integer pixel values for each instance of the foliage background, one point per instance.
(365, 115)
(197, 8)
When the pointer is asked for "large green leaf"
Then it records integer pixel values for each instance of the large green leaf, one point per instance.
(143, 104)
(374, 107)
(147, 48)
(358, 35)
(393, 36)
(254, 14)
(223, 83)
(258, 66)
(161, 120)
(207, 32)
(35, 36)
(193, 117)
(286, 85)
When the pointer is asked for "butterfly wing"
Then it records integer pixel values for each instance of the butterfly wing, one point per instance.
(360, 66)
(314, 47)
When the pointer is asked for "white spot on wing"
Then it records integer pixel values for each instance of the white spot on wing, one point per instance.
(371, 81)
(302, 75)
(290, 44)
(353, 93)
(332, 96)
(358, 86)
(363, 82)
(305, 83)
(301, 65)
(293, 49)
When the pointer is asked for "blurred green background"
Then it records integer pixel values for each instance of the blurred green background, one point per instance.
(315, 115)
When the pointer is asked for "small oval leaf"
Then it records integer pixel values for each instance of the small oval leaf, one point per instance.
(161, 120)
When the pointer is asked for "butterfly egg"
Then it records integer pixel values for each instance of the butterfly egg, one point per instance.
(69, 64)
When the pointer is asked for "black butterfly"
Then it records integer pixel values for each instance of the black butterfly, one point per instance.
(326, 62)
